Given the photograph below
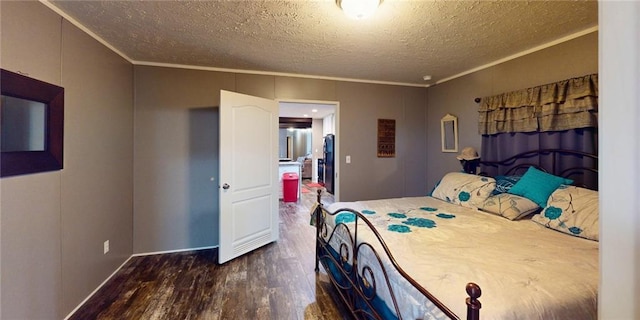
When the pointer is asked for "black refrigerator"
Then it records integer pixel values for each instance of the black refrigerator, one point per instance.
(329, 161)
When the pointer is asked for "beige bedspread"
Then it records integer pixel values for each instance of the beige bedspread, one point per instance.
(525, 270)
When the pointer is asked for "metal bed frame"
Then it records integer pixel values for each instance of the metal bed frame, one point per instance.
(356, 283)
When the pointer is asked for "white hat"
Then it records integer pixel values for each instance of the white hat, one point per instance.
(468, 153)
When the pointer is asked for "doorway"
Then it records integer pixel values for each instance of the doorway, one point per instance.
(308, 123)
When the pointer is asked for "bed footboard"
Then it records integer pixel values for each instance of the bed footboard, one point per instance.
(361, 273)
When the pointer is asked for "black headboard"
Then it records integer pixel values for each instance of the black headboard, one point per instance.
(579, 166)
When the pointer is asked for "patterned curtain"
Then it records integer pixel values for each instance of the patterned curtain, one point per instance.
(564, 105)
(561, 115)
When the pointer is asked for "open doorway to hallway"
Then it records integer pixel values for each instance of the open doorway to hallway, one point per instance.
(304, 127)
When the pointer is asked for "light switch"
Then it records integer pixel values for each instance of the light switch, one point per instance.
(348, 159)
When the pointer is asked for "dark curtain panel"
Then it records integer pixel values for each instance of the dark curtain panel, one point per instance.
(504, 145)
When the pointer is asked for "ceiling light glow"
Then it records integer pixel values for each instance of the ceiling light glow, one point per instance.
(359, 9)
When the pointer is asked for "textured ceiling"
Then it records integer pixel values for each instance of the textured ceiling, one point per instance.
(404, 41)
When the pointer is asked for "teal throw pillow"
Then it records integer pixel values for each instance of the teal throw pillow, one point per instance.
(537, 186)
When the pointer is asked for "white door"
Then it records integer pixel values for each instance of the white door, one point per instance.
(248, 174)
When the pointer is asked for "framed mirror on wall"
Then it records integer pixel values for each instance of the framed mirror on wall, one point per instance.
(295, 138)
(449, 133)
(32, 122)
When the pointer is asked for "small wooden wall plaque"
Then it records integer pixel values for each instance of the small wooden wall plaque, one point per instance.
(386, 138)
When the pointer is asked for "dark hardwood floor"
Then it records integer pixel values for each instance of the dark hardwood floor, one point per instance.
(276, 281)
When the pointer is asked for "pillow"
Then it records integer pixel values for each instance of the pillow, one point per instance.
(505, 183)
(537, 186)
(467, 190)
(510, 206)
(572, 210)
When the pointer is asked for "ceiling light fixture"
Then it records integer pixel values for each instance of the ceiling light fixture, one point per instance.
(359, 9)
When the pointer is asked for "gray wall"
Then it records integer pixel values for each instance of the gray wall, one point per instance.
(573, 58)
(316, 146)
(301, 143)
(370, 177)
(165, 199)
(53, 224)
(176, 155)
(282, 143)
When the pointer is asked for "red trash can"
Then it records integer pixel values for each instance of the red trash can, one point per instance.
(290, 187)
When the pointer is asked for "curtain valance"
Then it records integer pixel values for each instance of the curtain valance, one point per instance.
(564, 105)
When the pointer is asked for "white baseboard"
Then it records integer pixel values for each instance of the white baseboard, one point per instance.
(96, 290)
(171, 251)
(122, 265)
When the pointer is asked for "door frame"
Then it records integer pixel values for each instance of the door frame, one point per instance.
(336, 124)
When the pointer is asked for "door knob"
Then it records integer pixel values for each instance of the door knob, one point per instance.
(225, 186)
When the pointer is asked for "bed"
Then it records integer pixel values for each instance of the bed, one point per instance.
(525, 253)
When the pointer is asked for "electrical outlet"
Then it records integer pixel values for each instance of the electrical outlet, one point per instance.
(106, 247)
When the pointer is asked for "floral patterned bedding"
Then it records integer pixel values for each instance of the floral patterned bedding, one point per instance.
(525, 270)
